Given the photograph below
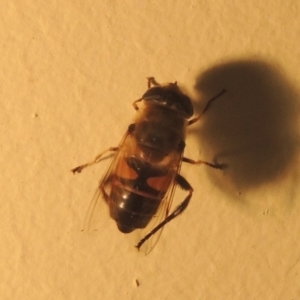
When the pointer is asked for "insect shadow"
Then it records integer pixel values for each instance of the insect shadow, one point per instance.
(253, 128)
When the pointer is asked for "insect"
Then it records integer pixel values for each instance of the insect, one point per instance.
(141, 179)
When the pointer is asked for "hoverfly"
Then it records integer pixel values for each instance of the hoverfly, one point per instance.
(140, 182)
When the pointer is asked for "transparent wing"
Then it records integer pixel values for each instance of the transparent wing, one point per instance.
(94, 214)
(161, 214)
(97, 212)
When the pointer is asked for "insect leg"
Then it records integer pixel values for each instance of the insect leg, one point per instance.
(208, 104)
(182, 182)
(95, 161)
(152, 82)
(198, 162)
(135, 103)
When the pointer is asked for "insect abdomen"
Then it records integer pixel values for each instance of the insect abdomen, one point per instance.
(131, 207)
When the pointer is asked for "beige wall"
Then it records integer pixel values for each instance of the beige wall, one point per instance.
(69, 71)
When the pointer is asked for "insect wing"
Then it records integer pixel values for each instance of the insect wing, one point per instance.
(98, 208)
(94, 214)
(97, 213)
(162, 212)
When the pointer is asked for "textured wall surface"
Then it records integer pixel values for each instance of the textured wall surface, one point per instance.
(69, 71)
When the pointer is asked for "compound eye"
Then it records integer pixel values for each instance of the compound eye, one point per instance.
(156, 93)
(175, 100)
